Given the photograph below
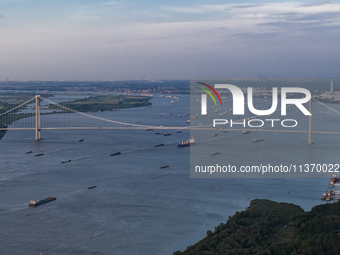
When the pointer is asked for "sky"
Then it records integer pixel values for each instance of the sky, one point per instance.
(127, 40)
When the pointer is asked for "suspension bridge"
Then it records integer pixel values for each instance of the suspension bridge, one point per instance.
(41, 113)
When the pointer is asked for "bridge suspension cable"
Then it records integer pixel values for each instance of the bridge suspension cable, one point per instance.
(326, 106)
(94, 117)
(22, 117)
(17, 107)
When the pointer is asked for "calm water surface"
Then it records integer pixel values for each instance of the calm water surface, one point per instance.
(137, 208)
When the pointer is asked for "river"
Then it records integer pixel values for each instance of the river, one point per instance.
(137, 208)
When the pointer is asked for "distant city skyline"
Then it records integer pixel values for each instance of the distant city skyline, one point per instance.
(125, 40)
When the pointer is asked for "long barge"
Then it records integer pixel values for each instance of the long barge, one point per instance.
(40, 202)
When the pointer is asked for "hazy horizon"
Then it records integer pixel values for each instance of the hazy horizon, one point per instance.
(127, 40)
(188, 80)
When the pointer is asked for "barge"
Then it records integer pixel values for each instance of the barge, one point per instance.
(40, 202)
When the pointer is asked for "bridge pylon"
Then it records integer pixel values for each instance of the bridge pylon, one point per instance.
(37, 118)
(310, 124)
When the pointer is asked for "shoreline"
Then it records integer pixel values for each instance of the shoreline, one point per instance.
(134, 101)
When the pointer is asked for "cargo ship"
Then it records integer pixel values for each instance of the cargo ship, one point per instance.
(187, 143)
(164, 167)
(81, 140)
(166, 134)
(255, 140)
(40, 202)
(158, 145)
(39, 155)
(114, 154)
(28, 152)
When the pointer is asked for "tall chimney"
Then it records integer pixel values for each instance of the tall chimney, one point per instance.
(331, 86)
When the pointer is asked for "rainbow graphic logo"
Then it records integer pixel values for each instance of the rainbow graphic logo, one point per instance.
(204, 97)
(213, 90)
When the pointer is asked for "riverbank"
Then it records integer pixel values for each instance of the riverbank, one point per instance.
(9, 101)
(88, 104)
(105, 103)
(268, 227)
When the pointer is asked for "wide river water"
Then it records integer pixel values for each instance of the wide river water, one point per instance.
(137, 208)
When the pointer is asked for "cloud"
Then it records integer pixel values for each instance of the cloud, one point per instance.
(262, 18)
(117, 41)
(245, 6)
(292, 38)
(114, 4)
(268, 8)
(148, 39)
(111, 3)
(252, 36)
(83, 17)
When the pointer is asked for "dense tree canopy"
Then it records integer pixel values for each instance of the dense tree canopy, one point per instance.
(268, 227)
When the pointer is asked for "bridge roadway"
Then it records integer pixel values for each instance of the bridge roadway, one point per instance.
(173, 128)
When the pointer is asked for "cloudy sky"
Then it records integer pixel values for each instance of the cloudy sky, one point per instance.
(113, 40)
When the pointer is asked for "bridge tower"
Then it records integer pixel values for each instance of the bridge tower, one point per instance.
(37, 118)
(310, 124)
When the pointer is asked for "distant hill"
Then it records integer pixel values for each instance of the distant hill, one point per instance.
(268, 227)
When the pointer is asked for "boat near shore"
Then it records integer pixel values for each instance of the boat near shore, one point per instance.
(40, 202)
(246, 132)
